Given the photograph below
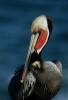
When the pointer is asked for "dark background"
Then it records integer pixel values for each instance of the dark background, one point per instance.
(16, 17)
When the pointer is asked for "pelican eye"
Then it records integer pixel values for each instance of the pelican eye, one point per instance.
(37, 30)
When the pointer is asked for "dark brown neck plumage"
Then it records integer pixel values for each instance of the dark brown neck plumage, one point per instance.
(34, 57)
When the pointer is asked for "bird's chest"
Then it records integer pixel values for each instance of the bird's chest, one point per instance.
(40, 89)
(40, 86)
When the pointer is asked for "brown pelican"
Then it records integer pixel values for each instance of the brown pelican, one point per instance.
(37, 79)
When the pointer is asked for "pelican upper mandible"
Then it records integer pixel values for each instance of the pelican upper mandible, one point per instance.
(37, 79)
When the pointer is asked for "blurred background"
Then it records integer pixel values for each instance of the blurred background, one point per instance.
(16, 17)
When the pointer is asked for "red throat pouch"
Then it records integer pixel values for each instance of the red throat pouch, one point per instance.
(41, 40)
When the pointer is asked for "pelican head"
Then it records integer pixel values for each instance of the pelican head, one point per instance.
(41, 29)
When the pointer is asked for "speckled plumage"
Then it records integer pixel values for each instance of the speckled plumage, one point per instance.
(48, 79)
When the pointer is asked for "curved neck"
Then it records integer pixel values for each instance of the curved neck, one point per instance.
(34, 57)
